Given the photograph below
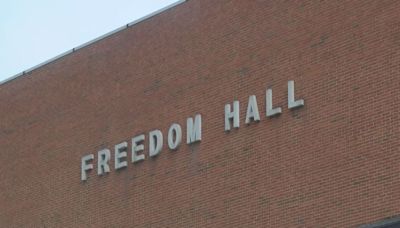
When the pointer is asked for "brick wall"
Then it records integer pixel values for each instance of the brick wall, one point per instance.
(332, 163)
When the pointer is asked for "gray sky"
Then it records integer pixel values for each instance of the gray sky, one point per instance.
(33, 31)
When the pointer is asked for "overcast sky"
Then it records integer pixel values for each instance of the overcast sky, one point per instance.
(33, 31)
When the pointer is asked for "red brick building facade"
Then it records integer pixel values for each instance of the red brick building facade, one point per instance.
(332, 163)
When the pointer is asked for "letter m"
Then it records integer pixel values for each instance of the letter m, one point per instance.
(193, 129)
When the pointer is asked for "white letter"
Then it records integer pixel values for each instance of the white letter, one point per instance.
(291, 102)
(156, 142)
(193, 130)
(136, 147)
(252, 110)
(176, 130)
(85, 166)
(270, 110)
(232, 115)
(103, 156)
(120, 152)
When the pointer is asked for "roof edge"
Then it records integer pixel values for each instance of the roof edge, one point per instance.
(23, 73)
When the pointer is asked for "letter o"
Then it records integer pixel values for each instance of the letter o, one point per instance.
(174, 130)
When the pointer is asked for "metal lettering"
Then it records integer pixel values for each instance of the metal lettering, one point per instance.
(232, 115)
(292, 103)
(137, 146)
(193, 129)
(174, 130)
(155, 142)
(120, 153)
(252, 110)
(85, 166)
(103, 157)
(270, 110)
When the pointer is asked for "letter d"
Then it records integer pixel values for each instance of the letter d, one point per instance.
(155, 142)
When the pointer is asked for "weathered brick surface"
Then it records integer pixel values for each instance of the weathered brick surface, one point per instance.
(333, 163)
